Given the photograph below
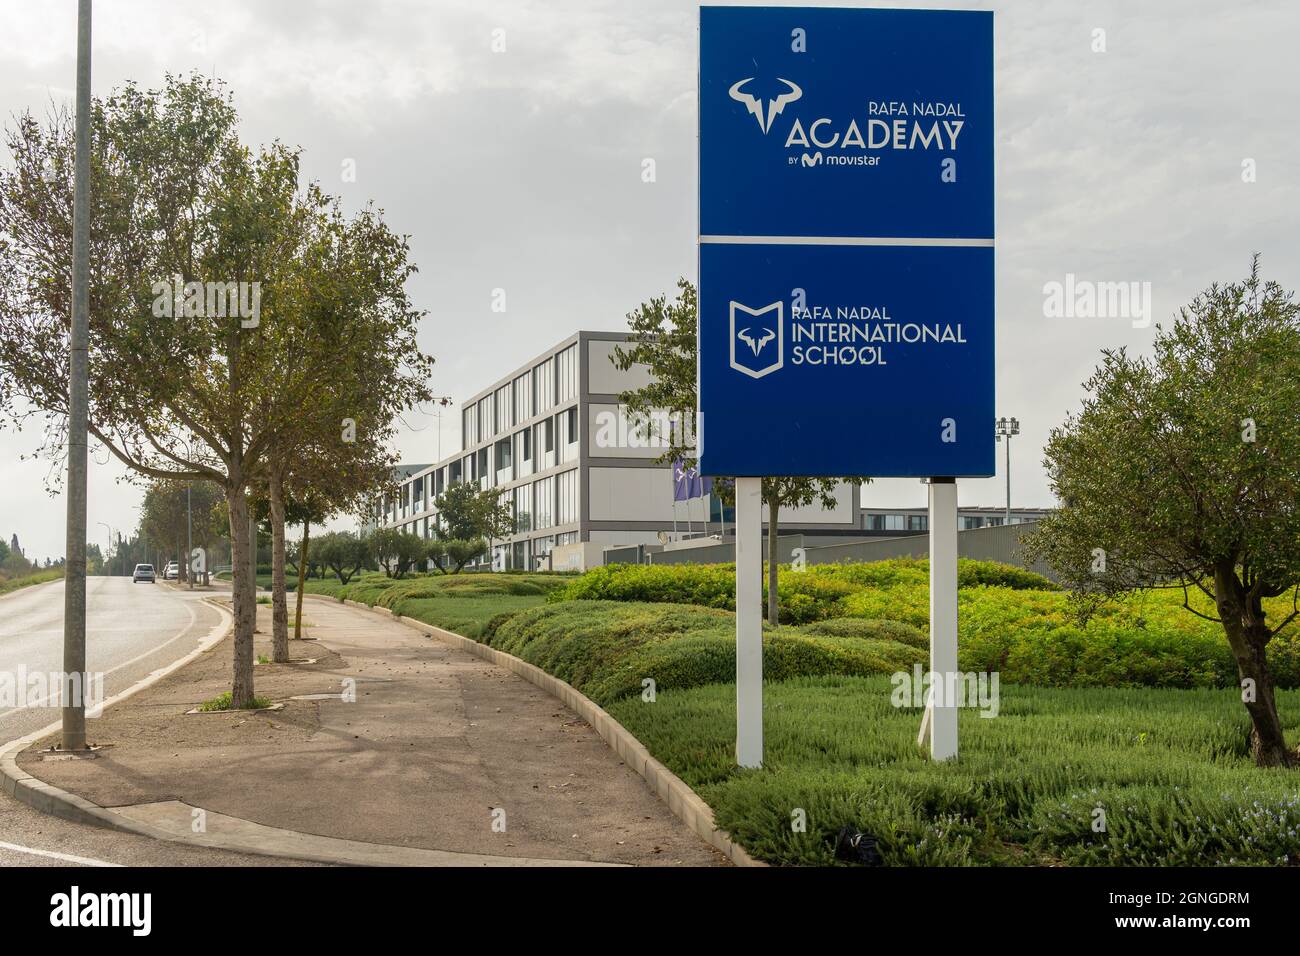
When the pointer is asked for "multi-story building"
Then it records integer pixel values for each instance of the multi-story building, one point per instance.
(571, 465)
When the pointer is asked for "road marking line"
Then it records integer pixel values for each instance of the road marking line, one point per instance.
(51, 854)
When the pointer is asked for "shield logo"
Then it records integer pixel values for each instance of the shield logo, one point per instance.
(757, 338)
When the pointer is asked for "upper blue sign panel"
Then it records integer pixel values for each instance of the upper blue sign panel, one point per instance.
(846, 123)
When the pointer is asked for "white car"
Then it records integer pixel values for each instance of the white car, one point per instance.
(143, 572)
(171, 572)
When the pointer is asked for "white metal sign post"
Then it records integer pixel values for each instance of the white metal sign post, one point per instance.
(942, 716)
(749, 622)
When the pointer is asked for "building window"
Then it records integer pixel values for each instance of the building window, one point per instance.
(571, 421)
(544, 503)
(544, 383)
(888, 522)
(469, 427)
(504, 408)
(567, 369)
(568, 497)
(523, 508)
(526, 445)
(523, 388)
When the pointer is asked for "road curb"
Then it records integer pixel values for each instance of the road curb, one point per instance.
(47, 798)
(684, 802)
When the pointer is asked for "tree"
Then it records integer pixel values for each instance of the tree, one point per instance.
(466, 512)
(177, 512)
(343, 552)
(457, 552)
(1182, 470)
(397, 551)
(15, 565)
(305, 509)
(791, 493)
(351, 365)
(664, 340)
(197, 297)
(188, 248)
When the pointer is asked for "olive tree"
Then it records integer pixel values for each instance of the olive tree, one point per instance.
(1182, 470)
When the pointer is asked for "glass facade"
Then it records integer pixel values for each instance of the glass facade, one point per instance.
(567, 490)
(567, 373)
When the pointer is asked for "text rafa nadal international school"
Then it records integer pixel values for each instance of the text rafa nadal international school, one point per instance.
(852, 335)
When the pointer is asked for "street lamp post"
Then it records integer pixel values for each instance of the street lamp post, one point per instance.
(74, 588)
(1006, 427)
(443, 401)
(189, 538)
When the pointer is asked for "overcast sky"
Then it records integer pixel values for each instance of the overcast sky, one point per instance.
(522, 170)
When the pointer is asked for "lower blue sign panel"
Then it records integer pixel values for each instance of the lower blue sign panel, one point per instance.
(846, 360)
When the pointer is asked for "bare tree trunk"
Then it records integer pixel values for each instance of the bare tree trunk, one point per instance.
(773, 507)
(279, 600)
(1267, 740)
(1248, 636)
(243, 599)
(302, 579)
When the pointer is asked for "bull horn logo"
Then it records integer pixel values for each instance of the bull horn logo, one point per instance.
(756, 345)
(755, 105)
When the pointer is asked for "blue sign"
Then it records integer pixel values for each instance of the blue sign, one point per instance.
(846, 242)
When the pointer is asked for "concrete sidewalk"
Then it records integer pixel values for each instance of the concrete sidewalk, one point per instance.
(438, 751)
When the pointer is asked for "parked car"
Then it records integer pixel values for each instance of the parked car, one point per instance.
(143, 572)
(171, 572)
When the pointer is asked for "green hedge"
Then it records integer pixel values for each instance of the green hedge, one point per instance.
(817, 593)
(374, 588)
(1146, 640)
(606, 649)
(1011, 621)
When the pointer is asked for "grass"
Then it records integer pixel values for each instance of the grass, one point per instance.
(1168, 768)
(39, 577)
(222, 702)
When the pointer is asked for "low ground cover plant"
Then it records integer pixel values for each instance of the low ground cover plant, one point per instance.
(1167, 773)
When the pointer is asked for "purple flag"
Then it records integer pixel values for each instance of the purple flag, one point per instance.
(698, 487)
(681, 481)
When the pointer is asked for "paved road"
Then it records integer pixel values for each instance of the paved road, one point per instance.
(131, 631)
